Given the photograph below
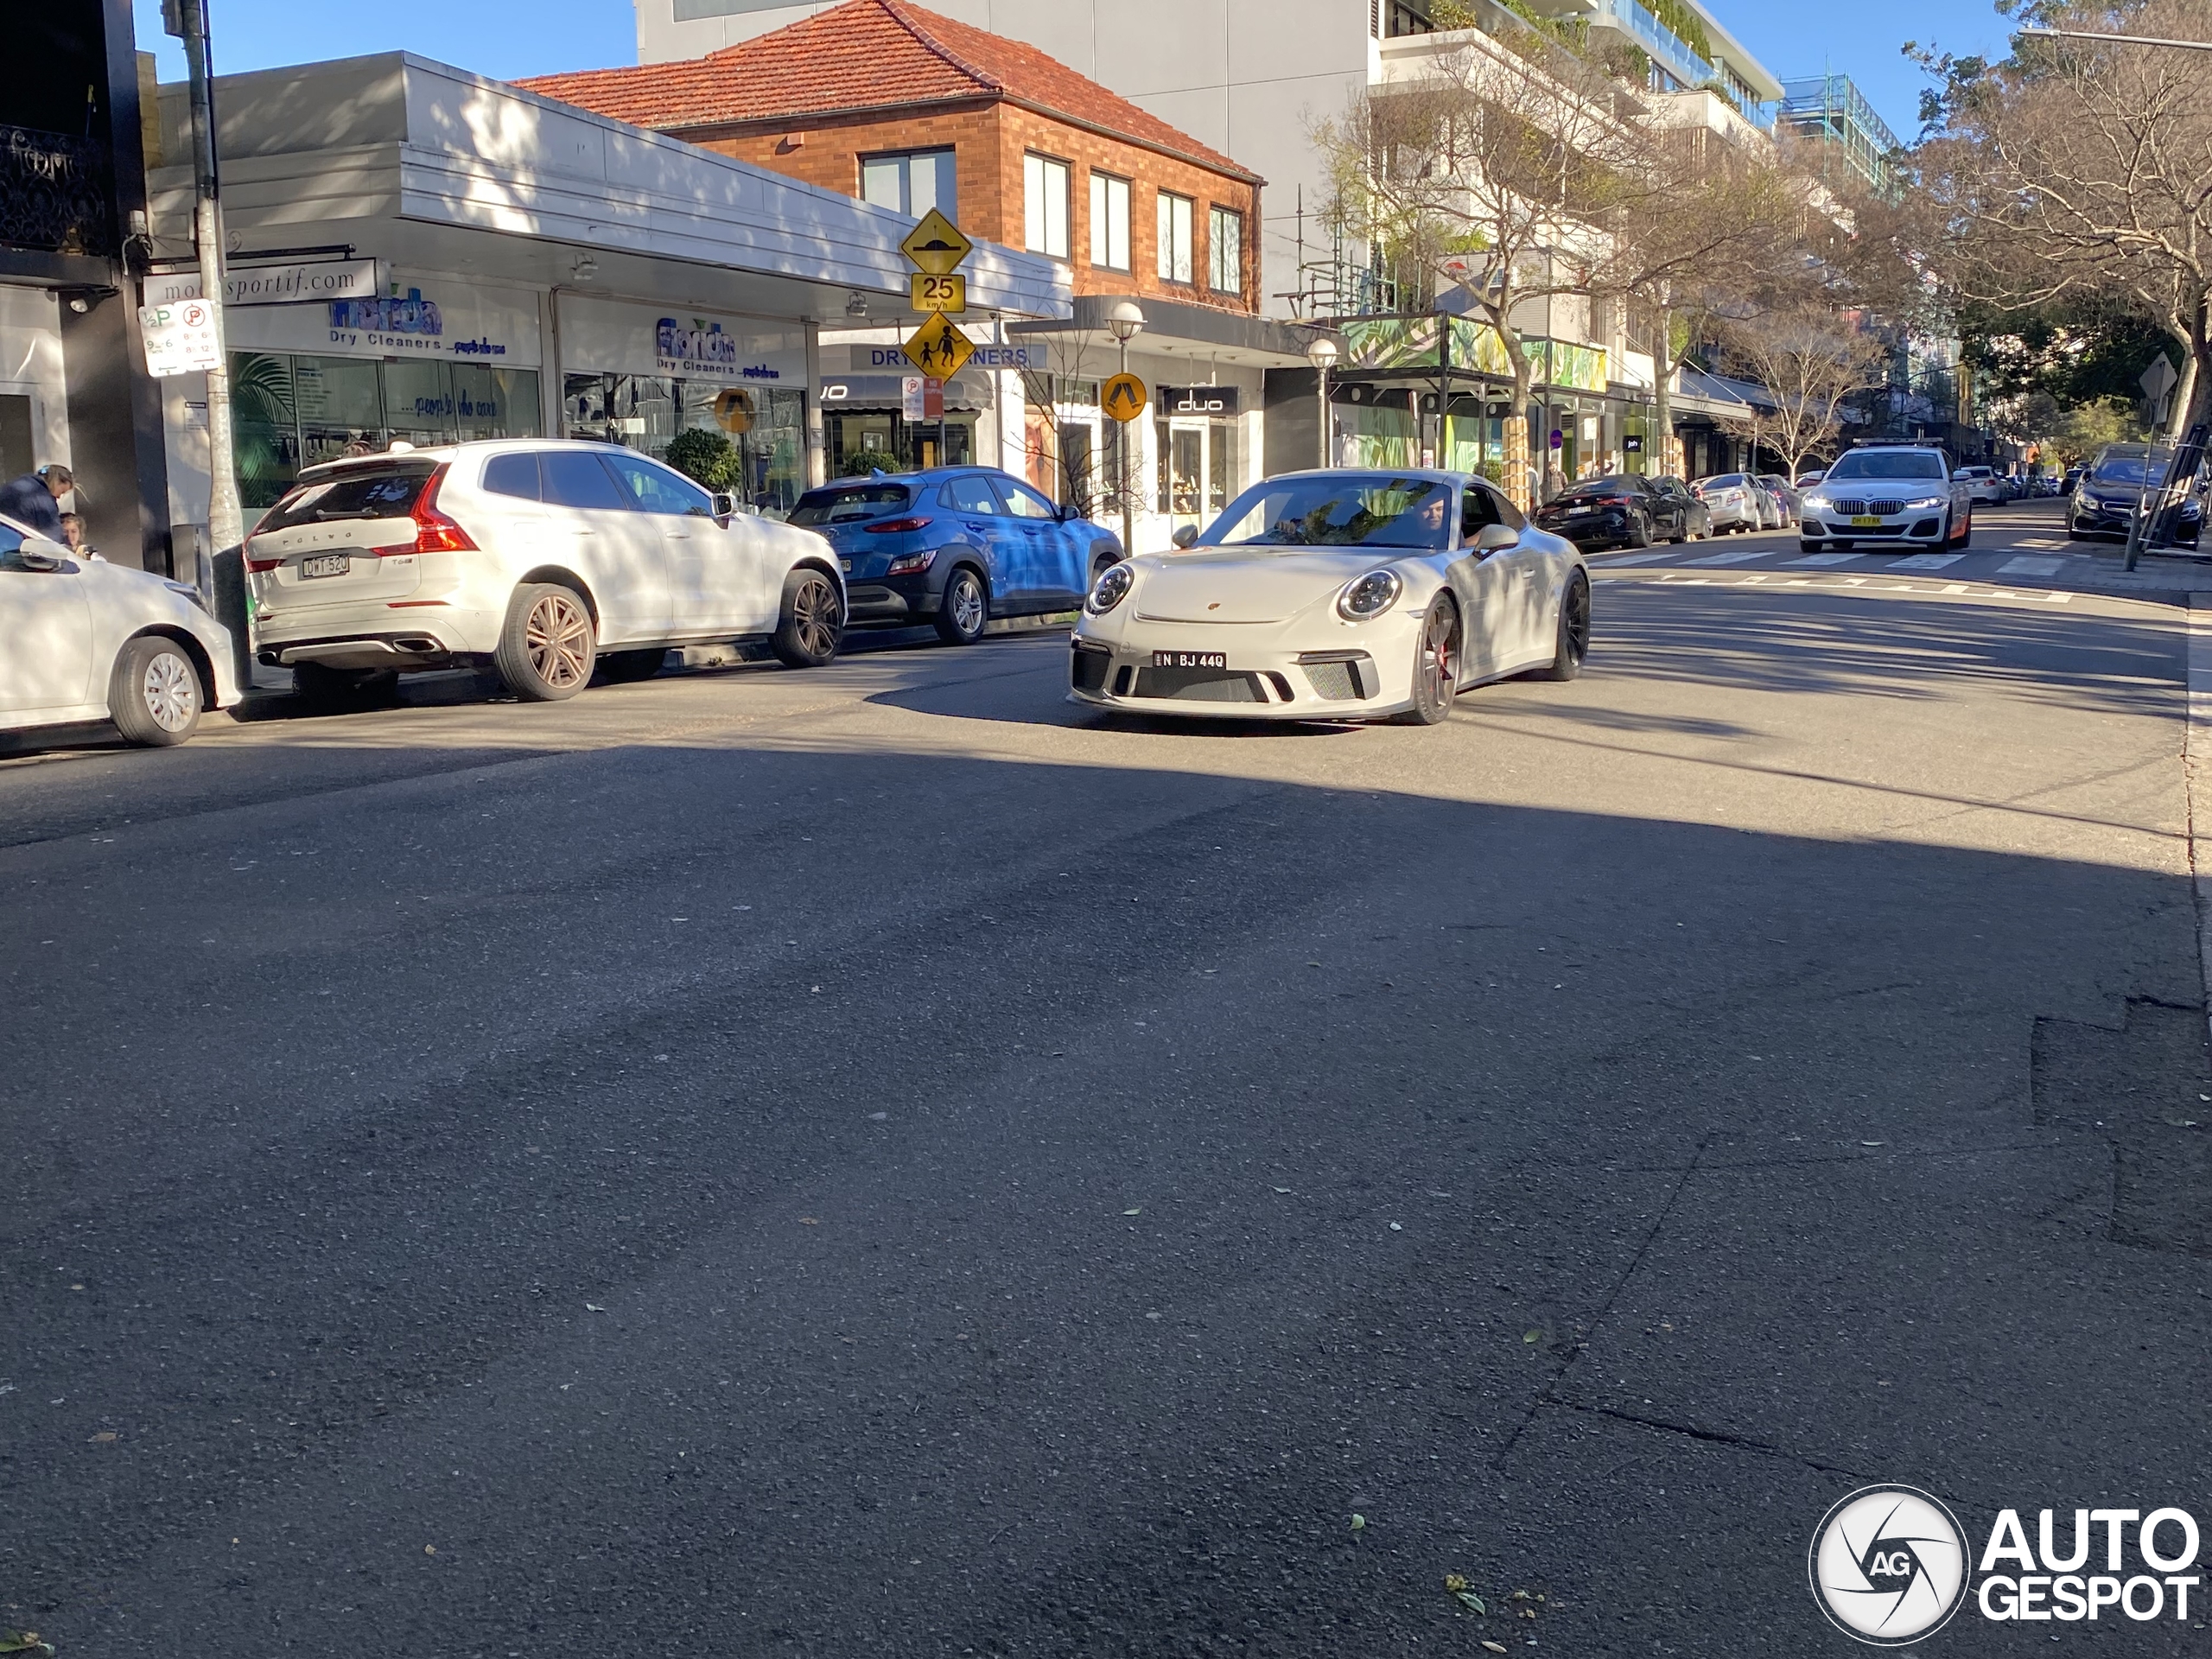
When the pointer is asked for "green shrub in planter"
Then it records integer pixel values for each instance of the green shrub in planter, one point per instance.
(706, 458)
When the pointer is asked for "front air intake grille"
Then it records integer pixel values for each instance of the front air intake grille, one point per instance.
(1332, 681)
(1923, 527)
(1087, 667)
(1198, 686)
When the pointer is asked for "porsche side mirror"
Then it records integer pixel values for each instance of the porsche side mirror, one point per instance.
(1185, 534)
(1492, 538)
(724, 506)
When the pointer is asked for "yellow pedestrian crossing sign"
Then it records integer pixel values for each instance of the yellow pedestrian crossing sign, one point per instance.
(938, 348)
(936, 245)
(1123, 397)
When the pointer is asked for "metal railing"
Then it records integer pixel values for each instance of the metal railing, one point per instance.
(56, 192)
(1833, 97)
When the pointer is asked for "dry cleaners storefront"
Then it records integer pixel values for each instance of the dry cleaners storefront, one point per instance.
(429, 360)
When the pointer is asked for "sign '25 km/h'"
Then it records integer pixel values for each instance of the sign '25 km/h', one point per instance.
(937, 246)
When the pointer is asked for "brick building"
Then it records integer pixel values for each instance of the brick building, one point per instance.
(909, 110)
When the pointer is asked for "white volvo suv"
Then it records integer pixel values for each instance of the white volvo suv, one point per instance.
(544, 557)
(1889, 494)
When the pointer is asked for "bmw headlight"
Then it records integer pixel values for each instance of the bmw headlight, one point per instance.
(1366, 597)
(1112, 587)
(1926, 502)
(1817, 503)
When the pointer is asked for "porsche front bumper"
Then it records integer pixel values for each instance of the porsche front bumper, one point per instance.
(1142, 670)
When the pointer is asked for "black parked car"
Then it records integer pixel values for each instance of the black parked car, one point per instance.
(1697, 515)
(1623, 511)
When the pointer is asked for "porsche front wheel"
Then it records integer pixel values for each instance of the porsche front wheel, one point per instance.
(1436, 664)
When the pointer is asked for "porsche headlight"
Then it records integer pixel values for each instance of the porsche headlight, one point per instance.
(1366, 597)
(1112, 587)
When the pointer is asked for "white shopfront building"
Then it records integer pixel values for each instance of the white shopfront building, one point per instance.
(506, 265)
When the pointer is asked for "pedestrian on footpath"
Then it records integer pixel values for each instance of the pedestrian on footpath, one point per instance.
(30, 500)
(72, 531)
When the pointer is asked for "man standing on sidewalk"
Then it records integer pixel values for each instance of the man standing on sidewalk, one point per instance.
(31, 500)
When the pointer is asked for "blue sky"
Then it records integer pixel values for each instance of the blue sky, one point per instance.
(528, 37)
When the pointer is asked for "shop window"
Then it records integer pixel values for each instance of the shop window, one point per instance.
(911, 181)
(1225, 252)
(1174, 216)
(1110, 222)
(1044, 204)
(293, 411)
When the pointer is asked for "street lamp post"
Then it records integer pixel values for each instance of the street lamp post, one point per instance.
(1321, 352)
(1125, 321)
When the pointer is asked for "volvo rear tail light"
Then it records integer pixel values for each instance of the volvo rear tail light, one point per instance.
(434, 531)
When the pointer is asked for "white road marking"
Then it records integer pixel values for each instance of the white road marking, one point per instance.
(1634, 558)
(1928, 561)
(1827, 558)
(2037, 541)
(2196, 780)
(1740, 555)
(2030, 564)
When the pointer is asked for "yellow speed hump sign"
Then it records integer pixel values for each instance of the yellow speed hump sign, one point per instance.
(1124, 398)
(734, 409)
(936, 245)
(939, 349)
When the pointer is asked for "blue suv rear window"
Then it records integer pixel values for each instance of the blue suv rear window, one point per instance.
(847, 504)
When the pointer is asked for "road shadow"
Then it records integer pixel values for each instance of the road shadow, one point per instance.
(710, 1199)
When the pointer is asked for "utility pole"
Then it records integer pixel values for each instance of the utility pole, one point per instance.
(187, 20)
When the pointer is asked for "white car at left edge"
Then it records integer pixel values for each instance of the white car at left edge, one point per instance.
(1353, 594)
(82, 640)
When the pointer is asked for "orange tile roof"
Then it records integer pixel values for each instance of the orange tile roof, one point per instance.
(864, 54)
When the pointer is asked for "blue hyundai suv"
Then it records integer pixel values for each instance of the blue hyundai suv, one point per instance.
(953, 546)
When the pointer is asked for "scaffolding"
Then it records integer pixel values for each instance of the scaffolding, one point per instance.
(1832, 111)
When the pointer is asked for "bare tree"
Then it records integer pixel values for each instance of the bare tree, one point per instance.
(1490, 170)
(1522, 175)
(1814, 363)
(2079, 169)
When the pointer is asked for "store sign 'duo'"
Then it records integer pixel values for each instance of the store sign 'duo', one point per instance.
(1217, 401)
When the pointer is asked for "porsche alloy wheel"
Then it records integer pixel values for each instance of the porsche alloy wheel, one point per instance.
(1436, 664)
(1573, 631)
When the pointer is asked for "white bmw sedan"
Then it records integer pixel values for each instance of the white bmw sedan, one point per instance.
(82, 640)
(546, 559)
(1344, 595)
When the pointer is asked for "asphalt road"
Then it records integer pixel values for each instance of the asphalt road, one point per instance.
(880, 1162)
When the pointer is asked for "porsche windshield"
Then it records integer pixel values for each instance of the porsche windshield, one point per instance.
(1336, 510)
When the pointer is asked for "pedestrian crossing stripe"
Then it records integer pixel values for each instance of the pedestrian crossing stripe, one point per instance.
(1927, 561)
(2030, 564)
(1739, 556)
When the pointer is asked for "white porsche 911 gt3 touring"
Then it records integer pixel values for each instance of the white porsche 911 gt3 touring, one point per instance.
(1342, 595)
